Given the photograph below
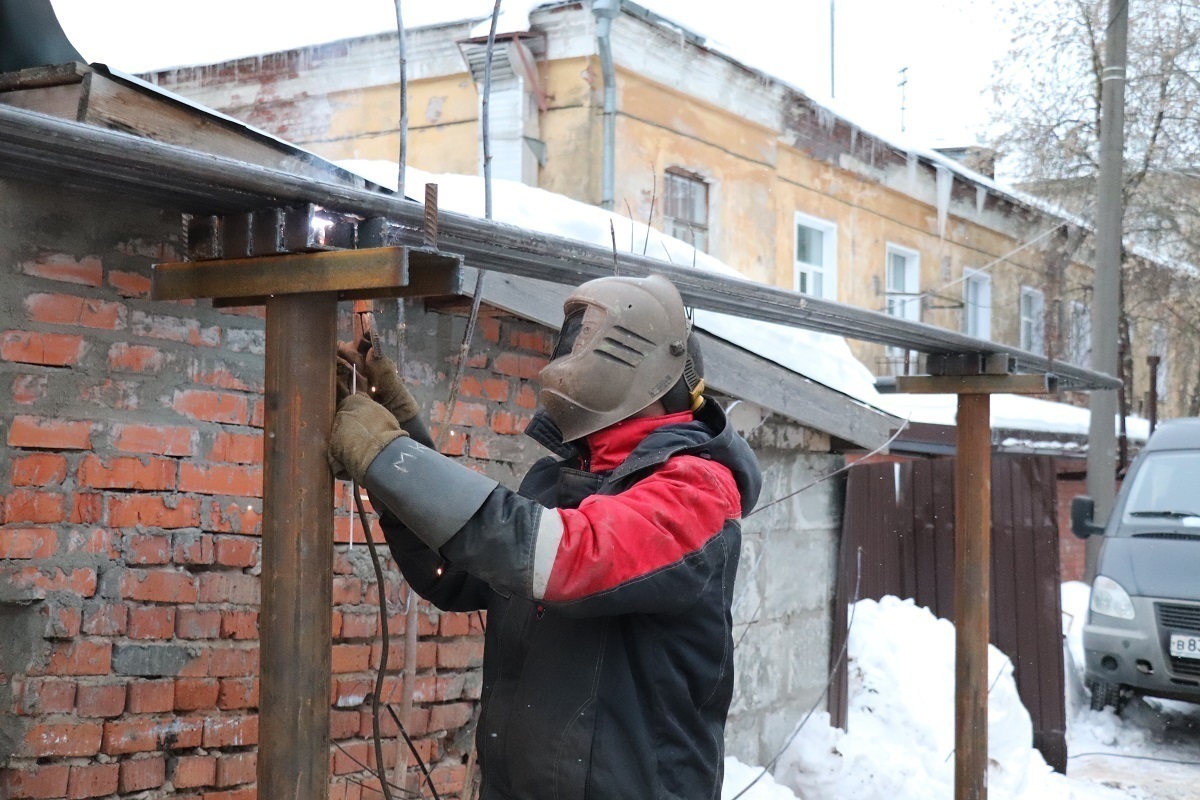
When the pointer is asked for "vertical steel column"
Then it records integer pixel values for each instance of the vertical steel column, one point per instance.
(297, 548)
(972, 573)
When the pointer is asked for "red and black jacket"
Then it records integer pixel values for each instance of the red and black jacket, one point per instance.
(608, 581)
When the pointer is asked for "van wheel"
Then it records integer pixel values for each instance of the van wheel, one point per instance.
(1106, 694)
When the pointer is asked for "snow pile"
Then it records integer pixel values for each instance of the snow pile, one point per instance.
(901, 730)
(820, 357)
(738, 776)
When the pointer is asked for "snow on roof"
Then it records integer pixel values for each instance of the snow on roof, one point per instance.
(820, 357)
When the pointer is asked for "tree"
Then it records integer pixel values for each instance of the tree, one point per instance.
(1047, 128)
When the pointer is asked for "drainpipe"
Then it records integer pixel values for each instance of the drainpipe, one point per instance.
(606, 11)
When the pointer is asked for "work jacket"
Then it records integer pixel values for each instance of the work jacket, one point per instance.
(608, 581)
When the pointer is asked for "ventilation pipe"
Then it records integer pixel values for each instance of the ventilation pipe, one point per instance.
(606, 11)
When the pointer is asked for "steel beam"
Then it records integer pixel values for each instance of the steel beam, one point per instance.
(297, 548)
(40, 147)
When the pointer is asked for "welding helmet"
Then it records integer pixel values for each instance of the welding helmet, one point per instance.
(624, 344)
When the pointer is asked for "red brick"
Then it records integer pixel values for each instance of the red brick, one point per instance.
(236, 551)
(28, 543)
(237, 448)
(147, 549)
(193, 548)
(538, 340)
(129, 284)
(75, 738)
(230, 662)
(27, 505)
(66, 309)
(236, 517)
(193, 624)
(125, 357)
(449, 716)
(235, 769)
(459, 654)
(151, 697)
(49, 434)
(111, 394)
(87, 508)
(231, 731)
(153, 511)
(257, 413)
(192, 694)
(360, 625)
(347, 591)
(240, 693)
(222, 479)
(105, 619)
(126, 472)
(519, 366)
(39, 469)
(229, 587)
(508, 424)
(350, 757)
(47, 349)
(450, 624)
(86, 271)
(28, 389)
(487, 389)
(80, 580)
(141, 735)
(466, 414)
(92, 780)
(209, 406)
(240, 625)
(193, 771)
(527, 397)
(62, 622)
(144, 773)
(160, 440)
(100, 700)
(220, 376)
(175, 329)
(158, 586)
(38, 696)
(489, 329)
(351, 658)
(96, 542)
(151, 622)
(248, 793)
(34, 782)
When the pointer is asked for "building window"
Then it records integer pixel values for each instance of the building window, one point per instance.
(1033, 315)
(903, 282)
(1079, 334)
(977, 304)
(815, 267)
(685, 208)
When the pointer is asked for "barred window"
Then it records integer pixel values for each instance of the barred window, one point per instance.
(685, 208)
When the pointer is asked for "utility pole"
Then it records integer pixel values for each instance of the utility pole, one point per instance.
(832, 47)
(1102, 439)
(903, 84)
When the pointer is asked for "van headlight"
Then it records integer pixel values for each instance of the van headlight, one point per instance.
(1110, 599)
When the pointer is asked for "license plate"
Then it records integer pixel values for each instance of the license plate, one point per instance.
(1185, 646)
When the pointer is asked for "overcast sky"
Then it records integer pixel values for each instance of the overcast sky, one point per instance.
(949, 46)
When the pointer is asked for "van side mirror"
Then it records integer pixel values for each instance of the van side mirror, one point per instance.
(1083, 513)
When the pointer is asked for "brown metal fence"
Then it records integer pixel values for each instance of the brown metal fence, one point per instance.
(902, 516)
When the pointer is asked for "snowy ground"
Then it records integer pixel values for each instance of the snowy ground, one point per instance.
(901, 733)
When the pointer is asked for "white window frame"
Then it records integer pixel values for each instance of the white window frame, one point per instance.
(828, 270)
(694, 232)
(1032, 325)
(907, 303)
(977, 314)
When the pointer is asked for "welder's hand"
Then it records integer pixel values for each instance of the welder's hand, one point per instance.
(347, 382)
(361, 428)
(382, 381)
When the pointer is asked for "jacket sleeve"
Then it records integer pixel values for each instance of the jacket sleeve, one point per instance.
(650, 549)
(432, 577)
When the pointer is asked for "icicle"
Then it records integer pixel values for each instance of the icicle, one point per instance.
(912, 169)
(826, 118)
(980, 198)
(896, 477)
(853, 138)
(945, 182)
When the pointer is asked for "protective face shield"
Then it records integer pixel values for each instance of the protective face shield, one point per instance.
(624, 344)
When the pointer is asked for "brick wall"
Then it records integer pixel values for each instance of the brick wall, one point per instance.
(131, 480)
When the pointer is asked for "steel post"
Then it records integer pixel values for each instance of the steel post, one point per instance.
(972, 574)
(297, 548)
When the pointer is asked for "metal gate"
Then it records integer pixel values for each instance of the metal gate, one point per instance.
(902, 516)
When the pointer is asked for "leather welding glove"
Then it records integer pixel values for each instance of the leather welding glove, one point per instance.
(361, 429)
(379, 376)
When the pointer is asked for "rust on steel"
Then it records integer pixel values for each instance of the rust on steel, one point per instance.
(297, 548)
(972, 563)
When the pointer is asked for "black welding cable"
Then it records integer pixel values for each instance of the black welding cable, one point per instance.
(828, 684)
(383, 657)
(1138, 758)
(413, 748)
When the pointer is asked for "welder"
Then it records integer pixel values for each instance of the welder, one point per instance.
(607, 578)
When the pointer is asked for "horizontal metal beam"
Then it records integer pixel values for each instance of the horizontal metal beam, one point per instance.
(968, 384)
(39, 147)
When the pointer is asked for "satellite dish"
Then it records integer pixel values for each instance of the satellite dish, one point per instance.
(30, 36)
